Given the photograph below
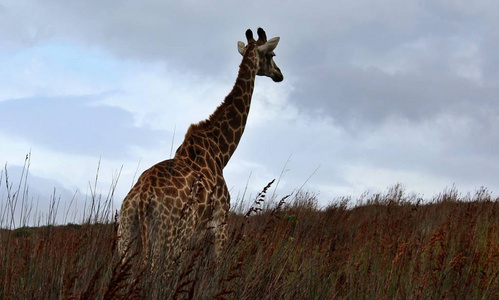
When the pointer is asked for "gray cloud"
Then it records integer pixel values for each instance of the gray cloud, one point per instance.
(368, 96)
(74, 125)
(191, 34)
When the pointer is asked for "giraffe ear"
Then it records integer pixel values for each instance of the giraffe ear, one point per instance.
(269, 46)
(240, 47)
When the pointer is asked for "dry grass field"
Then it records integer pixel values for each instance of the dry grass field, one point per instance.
(383, 246)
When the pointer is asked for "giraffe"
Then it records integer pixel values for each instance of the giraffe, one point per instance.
(177, 199)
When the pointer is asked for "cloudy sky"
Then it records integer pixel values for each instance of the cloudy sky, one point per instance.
(375, 92)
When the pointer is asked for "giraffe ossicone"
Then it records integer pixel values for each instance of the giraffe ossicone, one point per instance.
(178, 201)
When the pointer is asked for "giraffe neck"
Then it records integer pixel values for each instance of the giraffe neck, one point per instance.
(226, 125)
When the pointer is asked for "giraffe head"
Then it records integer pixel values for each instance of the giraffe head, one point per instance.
(264, 54)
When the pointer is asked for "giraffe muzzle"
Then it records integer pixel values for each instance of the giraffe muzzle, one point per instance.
(277, 76)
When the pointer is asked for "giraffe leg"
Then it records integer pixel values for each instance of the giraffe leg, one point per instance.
(158, 247)
(184, 232)
(219, 225)
(220, 240)
(167, 250)
(128, 233)
(179, 234)
(164, 251)
(123, 236)
(145, 239)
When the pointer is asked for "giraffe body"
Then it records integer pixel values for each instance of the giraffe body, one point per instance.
(180, 200)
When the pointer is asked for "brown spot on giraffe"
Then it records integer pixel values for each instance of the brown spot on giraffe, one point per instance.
(177, 200)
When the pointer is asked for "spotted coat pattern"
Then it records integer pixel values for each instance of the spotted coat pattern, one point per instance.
(178, 201)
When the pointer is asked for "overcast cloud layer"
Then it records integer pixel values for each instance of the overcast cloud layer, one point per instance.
(375, 92)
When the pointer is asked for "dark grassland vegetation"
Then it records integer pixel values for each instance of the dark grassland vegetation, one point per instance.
(384, 246)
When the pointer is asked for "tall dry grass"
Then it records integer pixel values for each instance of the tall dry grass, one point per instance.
(384, 246)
